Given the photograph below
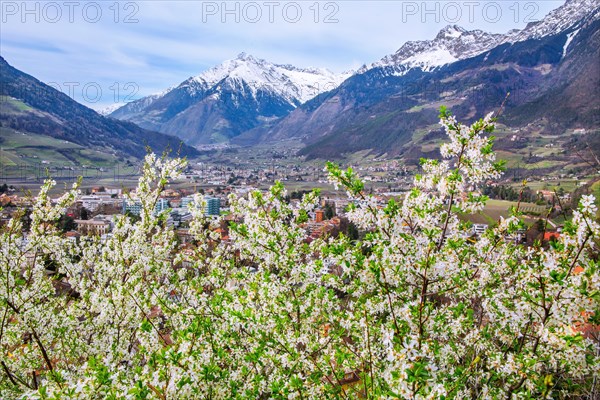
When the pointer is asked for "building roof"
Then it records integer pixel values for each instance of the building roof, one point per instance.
(551, 235)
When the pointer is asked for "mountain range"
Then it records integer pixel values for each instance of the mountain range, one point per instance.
(455, 43)
(229, 99)
(550, 68)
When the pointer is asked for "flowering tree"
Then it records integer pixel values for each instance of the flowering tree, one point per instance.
(414, 310)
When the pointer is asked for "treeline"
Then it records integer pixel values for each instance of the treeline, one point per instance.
(503, 192)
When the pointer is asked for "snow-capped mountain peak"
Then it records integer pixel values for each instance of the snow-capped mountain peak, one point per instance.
(236, 95)
(450, 31)
(109, 109)
(451, 44)
(244, 56)
(557, 20)
(454, 43)
(297, 85)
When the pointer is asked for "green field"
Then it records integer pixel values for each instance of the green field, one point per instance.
(10, 103)
(29, 149)
(494, 209)
(495, 205)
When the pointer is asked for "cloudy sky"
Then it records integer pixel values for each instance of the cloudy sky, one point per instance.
(104, 52)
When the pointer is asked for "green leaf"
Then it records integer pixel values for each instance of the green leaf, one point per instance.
(146, 326)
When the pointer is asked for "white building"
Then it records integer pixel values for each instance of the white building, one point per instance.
(92, 202)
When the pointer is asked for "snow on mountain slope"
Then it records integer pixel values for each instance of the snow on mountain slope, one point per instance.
(557, 20)
(296, 85)
(135, 106)
(454, 43)
(570, 37)
(451, 44)
(109, 109)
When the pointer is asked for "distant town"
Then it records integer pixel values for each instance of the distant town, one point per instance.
(94, 210)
